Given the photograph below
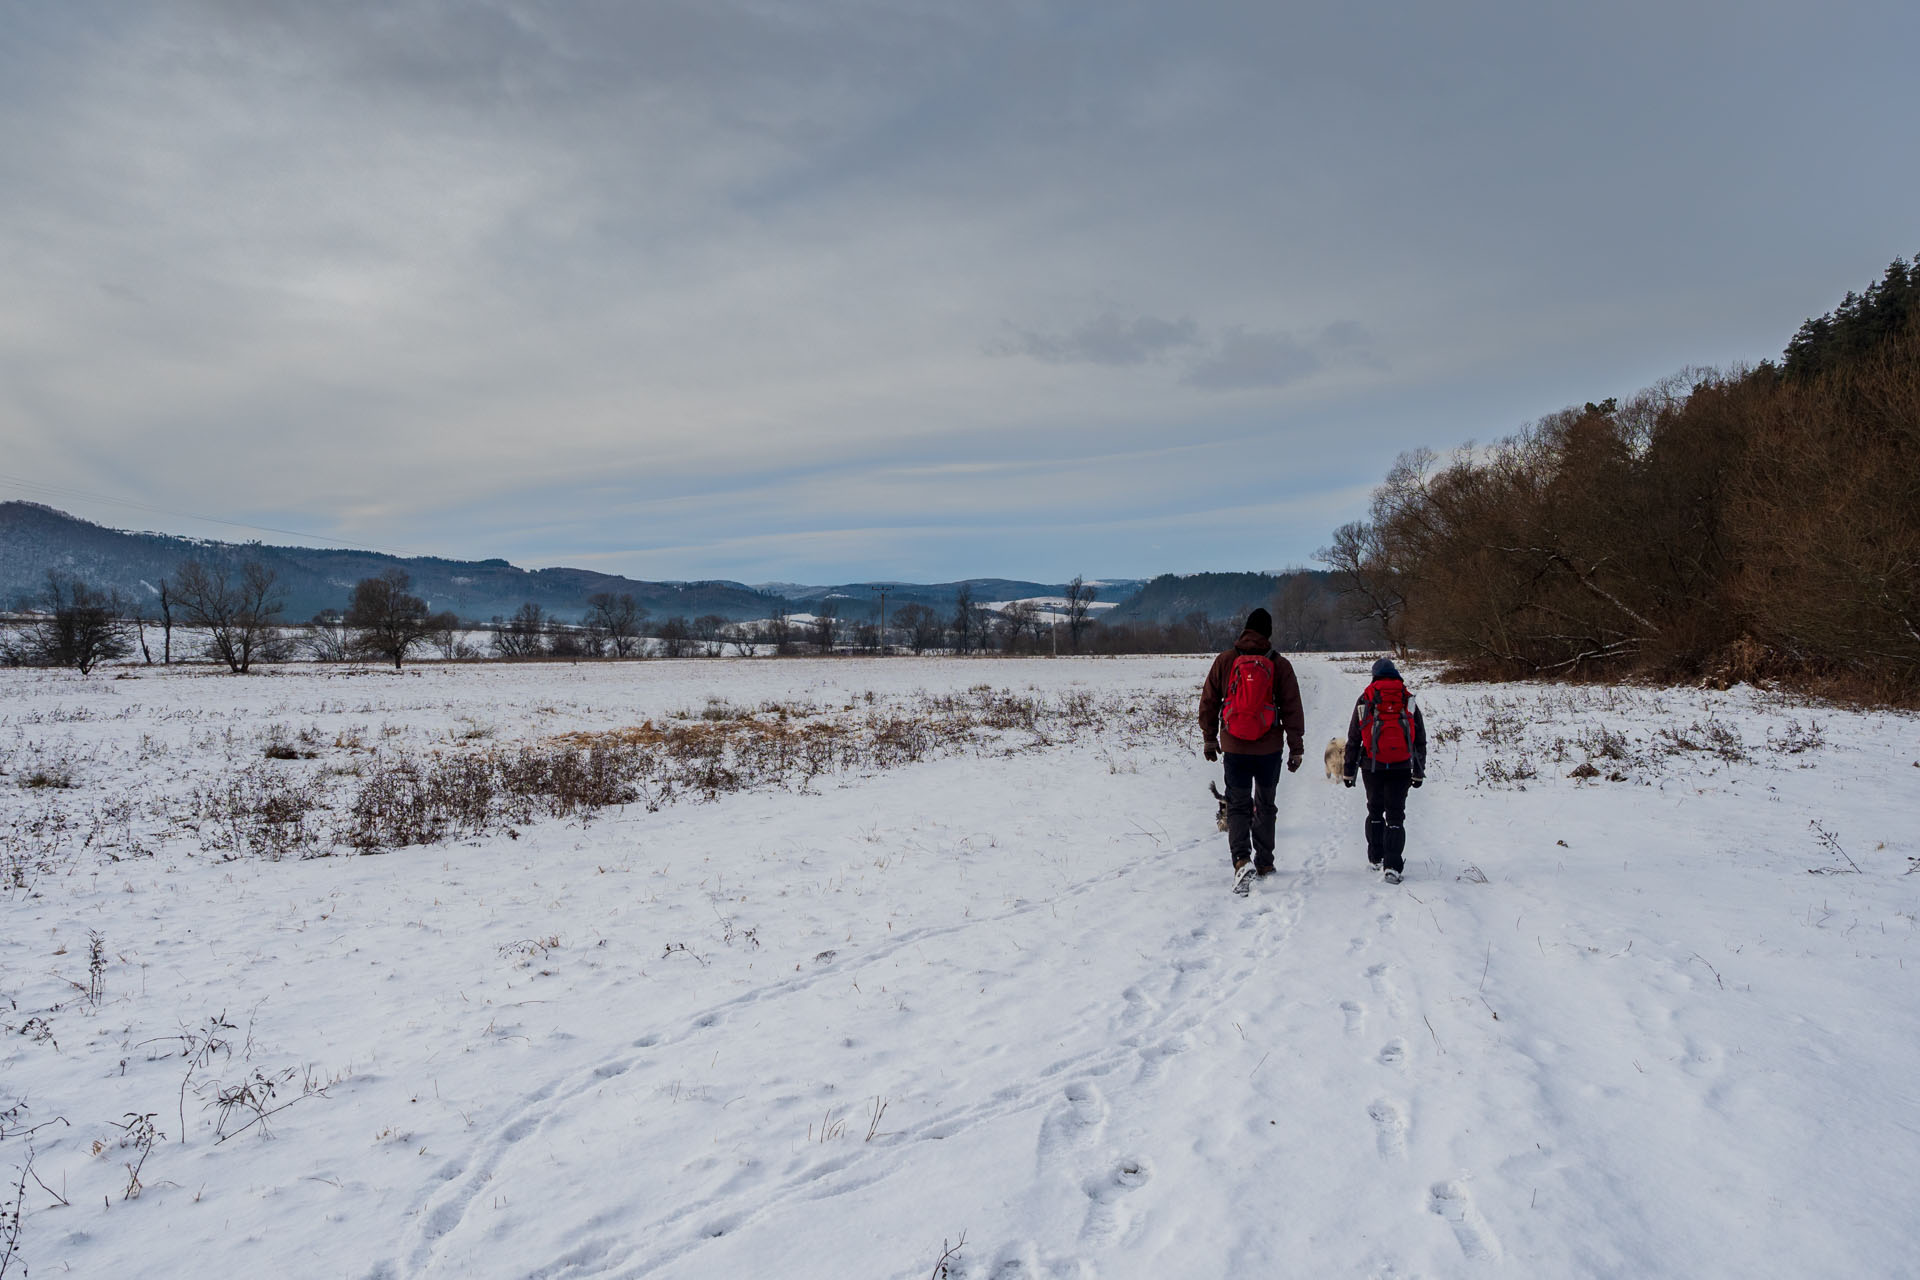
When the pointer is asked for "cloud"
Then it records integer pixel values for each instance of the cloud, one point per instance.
(1236, 358)
(1108, 339)
(498, 277)
(1244, 359)
(1247, 359)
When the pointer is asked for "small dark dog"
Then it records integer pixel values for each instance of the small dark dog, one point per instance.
(1220, 818)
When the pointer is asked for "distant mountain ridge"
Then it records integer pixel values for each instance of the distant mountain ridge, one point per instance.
(1173, 596)
(35, 538)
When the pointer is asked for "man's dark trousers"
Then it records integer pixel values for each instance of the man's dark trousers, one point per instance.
(1251, 782)
(1386, 815)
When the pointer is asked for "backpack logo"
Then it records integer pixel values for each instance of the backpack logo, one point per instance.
(1386, 728)
(1249, 705)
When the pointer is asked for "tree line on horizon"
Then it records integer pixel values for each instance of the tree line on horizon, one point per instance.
(233, 610)
(1720, 525)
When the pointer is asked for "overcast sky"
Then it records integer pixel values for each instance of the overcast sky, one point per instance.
(915, 289)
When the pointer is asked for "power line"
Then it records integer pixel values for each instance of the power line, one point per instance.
(35, 486)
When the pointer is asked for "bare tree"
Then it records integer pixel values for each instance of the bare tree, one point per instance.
(139, 620)
(709, 629)
(524, 635)
(825, 615)
(386, 620)
(967, 633)
(163, 603)
(921, 624)
(779, 628)
(443, 633)
(675, 636)
(79, 626)
(1019, 624)
(1300, 618)
(564, 640)
(620, 619)
(1080, 598)
(1367, 577)
(745, 638)
(326, 637)
(238, 617)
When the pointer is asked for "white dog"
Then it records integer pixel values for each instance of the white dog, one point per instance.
(1336, 759)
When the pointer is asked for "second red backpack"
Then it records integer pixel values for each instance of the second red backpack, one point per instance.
(1386, 730)
(1249, 706)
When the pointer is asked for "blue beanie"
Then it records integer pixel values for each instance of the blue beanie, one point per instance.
(1383, 669)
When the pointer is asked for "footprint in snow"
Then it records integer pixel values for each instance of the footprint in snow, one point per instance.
(1381, 976)
(1389, 1126)
(1356, 1016)
(1106, 1193)
(1451, 1201)
(1017, 1262)
(1153, 1058)
(1394, 1053)
(1075, 1121)
(1139, 1006)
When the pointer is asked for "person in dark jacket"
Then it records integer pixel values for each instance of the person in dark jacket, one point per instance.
(1387, 781)
(1253, 764)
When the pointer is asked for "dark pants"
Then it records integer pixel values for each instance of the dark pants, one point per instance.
(1251, 781)
(1386, 815)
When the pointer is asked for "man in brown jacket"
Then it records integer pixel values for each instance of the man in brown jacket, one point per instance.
(1261, 697)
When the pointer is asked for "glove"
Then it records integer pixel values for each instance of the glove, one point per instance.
(1417, 782)
(1212, 752)
(1348, 780)
(1293, 763)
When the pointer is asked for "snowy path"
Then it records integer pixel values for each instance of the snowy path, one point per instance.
(1070, 1018)
(1601, 1030)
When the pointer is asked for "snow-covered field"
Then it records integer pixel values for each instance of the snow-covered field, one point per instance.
(989, 988)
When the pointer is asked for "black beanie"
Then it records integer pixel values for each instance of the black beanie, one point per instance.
(1262, 621)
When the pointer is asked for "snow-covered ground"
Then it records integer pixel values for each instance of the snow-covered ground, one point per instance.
(993, 989)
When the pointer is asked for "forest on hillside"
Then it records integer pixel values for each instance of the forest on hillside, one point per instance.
(1723, 525)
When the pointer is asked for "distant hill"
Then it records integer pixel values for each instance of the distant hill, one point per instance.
(1172, 596)
(1305, 603)
(36, 538)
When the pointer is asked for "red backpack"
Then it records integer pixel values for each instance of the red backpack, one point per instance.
(1386, 726)
(1249, 706)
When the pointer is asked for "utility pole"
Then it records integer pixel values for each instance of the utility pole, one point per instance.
(883, 616)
